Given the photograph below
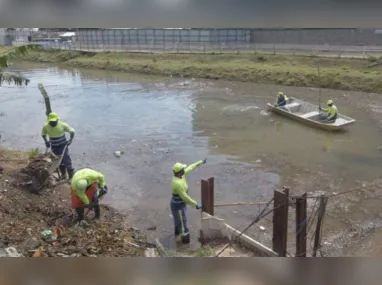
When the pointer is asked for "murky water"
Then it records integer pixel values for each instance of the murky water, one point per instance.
(159, 121)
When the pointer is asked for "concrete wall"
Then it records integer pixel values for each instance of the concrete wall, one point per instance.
(213, 227)
(344, 37)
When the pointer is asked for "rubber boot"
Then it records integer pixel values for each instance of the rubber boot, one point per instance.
(63, 172)
(185, 238)
(80, 214)
(70, 172)
(97, 211)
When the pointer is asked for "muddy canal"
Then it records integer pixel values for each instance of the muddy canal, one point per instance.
(159, 121)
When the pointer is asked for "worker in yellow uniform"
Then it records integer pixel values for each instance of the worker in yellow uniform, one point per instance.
(56, 130)
(281, 99)
(331, 113)
(180, 198)
(87, 187)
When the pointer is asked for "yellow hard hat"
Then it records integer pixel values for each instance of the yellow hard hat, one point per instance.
(53, 117)
(82, 184)
(330, 102)
(178, 167)
(280, 93)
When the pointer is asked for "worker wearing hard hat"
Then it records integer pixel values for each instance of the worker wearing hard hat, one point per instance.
(180, 198)
(331, 112)
(87, 187)
(56, 130)
(281, 99)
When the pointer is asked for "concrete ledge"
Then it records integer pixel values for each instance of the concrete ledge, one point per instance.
(215, 228)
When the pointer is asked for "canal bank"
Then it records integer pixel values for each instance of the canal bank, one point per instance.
(288, 70)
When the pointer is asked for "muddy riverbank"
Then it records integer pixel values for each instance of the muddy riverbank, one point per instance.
(25, 216)
(158, 121)
(335, 73)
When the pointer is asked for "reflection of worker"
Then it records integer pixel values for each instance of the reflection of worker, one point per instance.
(281, 99)
(331, 113)
(56, 130)
(328, 143)
(87, 187)
(180, 198)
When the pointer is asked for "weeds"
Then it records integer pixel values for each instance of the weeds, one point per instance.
(204, 252)
(336, 73)
(33, 152)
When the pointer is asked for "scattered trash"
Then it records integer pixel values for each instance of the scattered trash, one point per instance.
(12, 252)
(38, 253)
(151, 228)
(42, 226)
(84, 224)
(119, 153)
(262, 228)
(47, 234)
(258, 161)
(133, 244)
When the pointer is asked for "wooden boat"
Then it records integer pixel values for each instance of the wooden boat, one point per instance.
(309, 114)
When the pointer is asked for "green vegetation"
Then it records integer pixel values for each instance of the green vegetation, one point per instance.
(335, 73)
(33, 152)
(14, 53)
(204, 252)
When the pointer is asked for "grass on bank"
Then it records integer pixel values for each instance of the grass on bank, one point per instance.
(289, 70)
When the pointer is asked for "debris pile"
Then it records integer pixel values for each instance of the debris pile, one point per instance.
(37, 173)
(42, 225)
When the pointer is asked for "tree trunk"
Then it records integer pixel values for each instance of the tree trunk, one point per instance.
(46, 99)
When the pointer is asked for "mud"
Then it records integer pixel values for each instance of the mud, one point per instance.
(158, 121)
(24, 216)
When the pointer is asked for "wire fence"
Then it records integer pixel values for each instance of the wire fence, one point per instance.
(228, 41)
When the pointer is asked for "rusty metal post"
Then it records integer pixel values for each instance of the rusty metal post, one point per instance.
(205, 195)
(321, 214)
(207, 200)
(280, 222)
(301, 225)
(211, 196)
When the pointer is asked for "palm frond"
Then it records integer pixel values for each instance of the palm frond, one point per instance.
(15, 53)
(12, 78)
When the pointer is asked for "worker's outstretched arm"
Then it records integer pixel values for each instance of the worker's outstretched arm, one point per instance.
(325, 109)
(192, 167)
(181, 191)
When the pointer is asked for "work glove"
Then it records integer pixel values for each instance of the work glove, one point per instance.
(103, 191)
(198, 206)
(47, 144)
(69, 142)
(205, 161)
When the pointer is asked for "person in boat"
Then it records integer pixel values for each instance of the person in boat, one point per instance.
(281, 100)
(331, 113)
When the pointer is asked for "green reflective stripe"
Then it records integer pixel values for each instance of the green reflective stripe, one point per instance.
(181, 222)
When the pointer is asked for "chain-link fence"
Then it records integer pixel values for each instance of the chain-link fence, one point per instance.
(218, 41)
